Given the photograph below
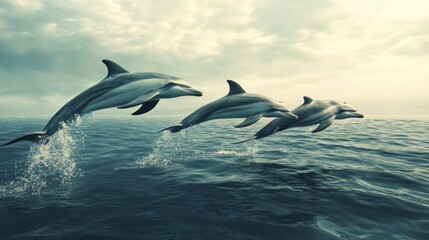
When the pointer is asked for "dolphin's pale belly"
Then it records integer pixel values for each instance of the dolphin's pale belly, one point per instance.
(242, 111)
(124, 94)
(312, 119)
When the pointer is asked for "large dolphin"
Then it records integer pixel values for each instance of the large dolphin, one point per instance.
(120, 89)
(322, 112)
(236, 104)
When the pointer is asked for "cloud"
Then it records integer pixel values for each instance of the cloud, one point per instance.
(198, 29)
(25, 6)
(344, 50)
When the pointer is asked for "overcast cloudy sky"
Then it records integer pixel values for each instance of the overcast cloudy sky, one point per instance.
(373, 54)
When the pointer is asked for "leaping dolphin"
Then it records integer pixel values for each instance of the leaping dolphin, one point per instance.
(322, 112)
(120, 89)
(236, 104)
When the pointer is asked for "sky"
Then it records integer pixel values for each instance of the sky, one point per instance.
(373, 54)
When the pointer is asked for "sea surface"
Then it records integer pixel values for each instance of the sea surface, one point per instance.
(118, 178)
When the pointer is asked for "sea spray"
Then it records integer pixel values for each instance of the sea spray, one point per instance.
(172, 148)
(48, 165)
(168, 148)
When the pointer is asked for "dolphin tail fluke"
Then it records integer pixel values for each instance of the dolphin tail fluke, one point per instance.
(247, 140)
(172, 129)
(38, 137)
(263, 133)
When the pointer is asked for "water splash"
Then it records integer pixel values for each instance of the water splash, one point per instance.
(48, 165)
(169, 149)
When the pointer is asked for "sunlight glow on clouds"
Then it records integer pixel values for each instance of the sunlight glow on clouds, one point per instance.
(193, 31)
(373, 54)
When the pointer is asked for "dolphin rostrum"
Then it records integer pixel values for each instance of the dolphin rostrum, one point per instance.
(120, 89)
(236, 104)
(322, 112)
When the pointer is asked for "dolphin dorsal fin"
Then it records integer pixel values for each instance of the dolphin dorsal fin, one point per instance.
(307, 100)
(113, 68)
(235, 88)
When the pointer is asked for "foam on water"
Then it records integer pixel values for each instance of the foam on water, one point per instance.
(48, 165)
(249, 149)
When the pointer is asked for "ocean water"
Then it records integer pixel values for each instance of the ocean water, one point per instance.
(118, 178)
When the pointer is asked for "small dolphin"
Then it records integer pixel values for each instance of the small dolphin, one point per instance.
(322, 112)
(120, 89)
(236, 104)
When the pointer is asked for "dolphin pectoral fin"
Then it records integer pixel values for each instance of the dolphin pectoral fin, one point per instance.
(146, 107)
(140, 100)
(249, 121)
(324, 124)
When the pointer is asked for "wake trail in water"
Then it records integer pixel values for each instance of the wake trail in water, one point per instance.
(249, 149)
(48, 165)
